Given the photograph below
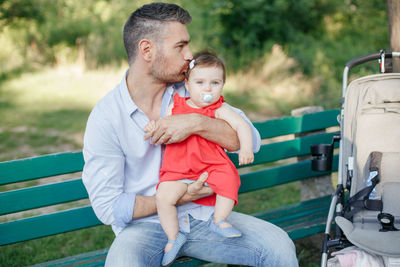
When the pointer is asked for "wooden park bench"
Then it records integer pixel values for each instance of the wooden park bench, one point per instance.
(275, 164)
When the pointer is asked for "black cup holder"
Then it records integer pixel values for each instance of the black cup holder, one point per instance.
(322, 157)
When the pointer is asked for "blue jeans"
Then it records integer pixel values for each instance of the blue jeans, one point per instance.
(262, 244)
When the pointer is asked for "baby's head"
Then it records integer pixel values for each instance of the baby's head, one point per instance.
(205, 79)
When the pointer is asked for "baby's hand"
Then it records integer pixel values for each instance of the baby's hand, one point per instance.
(245, 157)
(150, 127)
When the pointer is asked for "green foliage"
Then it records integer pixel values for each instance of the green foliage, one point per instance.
(11, 11)
(321, 35)
(249, 27)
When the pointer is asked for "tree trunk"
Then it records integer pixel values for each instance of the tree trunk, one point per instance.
(393, 11)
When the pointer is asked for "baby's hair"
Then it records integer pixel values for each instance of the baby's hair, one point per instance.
(207, 59)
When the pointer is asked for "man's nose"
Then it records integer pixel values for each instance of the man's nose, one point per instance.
(188, 54)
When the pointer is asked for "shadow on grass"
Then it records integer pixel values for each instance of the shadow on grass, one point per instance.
(15, 73)
(66, 120)
(43, 133)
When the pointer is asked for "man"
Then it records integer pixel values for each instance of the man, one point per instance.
(122, 164)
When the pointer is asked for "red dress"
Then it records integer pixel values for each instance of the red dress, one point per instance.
(195, 155)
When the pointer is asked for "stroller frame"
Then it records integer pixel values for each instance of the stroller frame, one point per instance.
(338, 197)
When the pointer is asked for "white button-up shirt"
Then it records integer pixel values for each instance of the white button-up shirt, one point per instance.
(119, 165)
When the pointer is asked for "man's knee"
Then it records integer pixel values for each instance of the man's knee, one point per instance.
(276, 248)
(283, 254)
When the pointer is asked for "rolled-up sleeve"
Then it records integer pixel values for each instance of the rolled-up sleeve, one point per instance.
(123, 209)
(254, 131)
(103, 173)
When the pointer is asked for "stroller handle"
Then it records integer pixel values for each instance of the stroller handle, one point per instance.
(370, 57)
(363, 59)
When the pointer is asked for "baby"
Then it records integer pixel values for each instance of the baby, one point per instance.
(184, 162)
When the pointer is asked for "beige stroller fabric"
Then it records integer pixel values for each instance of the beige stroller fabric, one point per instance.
(372, 123)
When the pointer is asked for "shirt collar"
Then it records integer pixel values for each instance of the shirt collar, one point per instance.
(130, 106)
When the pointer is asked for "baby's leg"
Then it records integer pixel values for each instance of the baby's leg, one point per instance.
(223, 207)
(168, 193)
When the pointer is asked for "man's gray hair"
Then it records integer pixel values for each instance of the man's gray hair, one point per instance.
(147, 22)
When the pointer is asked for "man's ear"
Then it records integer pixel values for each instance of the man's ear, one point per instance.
(146, 48)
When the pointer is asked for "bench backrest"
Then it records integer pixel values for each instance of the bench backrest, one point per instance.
(268, 171)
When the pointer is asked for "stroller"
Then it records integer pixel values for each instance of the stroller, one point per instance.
(366, 203)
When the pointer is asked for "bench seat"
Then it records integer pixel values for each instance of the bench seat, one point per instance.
(283, 158)
(298, 220)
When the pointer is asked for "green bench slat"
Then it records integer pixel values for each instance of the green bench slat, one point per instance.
(300, 219)
(295, 209)
(98, 258)
(45, 195)
(69, 220)
(41, 196)
(45, 225)
(188, 262)
(285, 149)
(93, 258)
(61, 163)
(280, 175)
(40, 167)
(292, 125)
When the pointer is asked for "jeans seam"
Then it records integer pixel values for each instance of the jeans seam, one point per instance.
(154, 256)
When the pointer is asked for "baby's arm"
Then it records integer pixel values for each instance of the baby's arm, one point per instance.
(243, 130)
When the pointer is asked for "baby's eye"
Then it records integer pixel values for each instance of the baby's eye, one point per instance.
(215, 83)
(199, 82)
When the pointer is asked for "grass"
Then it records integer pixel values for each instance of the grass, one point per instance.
(46, 111)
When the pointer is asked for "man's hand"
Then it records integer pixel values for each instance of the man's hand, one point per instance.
(196, 190)
(150, 127)
(176, 128)
(172, 129)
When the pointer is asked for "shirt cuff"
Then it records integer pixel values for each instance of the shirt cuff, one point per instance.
(123, 209)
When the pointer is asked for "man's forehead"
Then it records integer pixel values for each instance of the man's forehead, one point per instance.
(176, 33)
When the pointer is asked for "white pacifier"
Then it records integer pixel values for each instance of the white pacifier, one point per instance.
(207, 97)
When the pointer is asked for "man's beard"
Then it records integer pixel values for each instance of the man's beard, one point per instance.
(159, 71)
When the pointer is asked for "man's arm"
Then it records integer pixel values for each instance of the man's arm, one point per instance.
(146, 205)
(176, 128)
